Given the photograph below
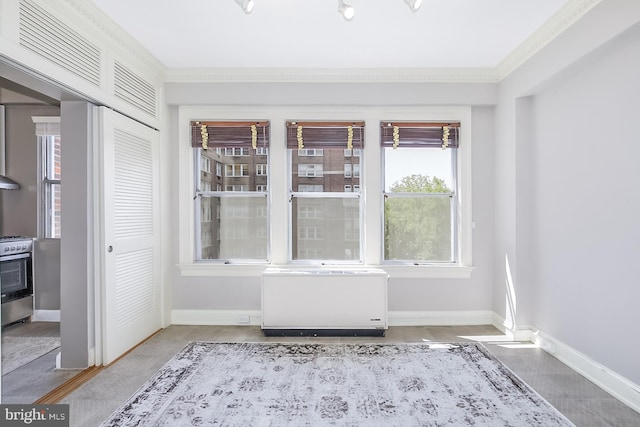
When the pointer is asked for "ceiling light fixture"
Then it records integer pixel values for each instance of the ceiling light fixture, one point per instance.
(414, 5)
(346, 10)
(246, 5)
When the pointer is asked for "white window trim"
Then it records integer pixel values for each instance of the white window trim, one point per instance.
(371, 184)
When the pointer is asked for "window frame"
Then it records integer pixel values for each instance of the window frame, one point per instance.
(318, 149)
(47, 131)
(239, 150)
(454, 206)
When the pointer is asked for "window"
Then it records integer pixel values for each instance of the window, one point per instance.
(315, 170)
(240, 200)
(236, 170)
(49, 143)
(237, 187)
(205, 214)
(310, 152)
(236, 151)
(325, 219)
(310, 188)
(205, 164)
(309, 212)
(420, 192)
(351, 170)
(328, 220)
(311, 233)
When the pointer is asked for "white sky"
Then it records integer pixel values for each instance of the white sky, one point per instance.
(408, 161)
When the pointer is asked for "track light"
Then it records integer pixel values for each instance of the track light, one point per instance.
(246, 5)
(346, 10)
(414, 5)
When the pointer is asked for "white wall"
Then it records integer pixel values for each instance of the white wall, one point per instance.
(587, 207)
(567, 201)
(405, 294)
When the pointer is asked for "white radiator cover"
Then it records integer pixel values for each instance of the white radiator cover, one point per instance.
(324, 299)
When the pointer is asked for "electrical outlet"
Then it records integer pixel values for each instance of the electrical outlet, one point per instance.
(243, 318)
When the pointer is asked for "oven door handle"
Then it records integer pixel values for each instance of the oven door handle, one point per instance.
(15, 257)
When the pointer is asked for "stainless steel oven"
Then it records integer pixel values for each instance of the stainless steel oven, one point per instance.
(16, 278)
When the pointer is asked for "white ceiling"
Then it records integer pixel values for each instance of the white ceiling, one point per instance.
(311, 34)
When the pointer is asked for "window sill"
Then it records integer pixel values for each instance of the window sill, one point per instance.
(394, 271)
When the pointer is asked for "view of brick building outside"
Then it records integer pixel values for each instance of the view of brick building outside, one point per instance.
(237, 227)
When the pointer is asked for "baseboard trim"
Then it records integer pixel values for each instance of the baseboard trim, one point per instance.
(216, 317)
(46, 316)
(439, 318)
(519, 333)
(395, 318)
(613, 383)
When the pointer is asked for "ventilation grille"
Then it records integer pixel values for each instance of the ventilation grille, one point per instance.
(133, 181)
(133, 286)
(48, 37)
(134, 90)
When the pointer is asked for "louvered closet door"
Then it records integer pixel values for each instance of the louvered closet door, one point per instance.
(130, 285)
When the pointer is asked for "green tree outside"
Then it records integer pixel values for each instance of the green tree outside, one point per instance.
(418, 227)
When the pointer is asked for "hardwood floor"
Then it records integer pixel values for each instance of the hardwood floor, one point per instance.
(578, 399)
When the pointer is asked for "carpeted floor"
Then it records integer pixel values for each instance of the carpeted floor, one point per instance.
(18, 351)
(251, 384)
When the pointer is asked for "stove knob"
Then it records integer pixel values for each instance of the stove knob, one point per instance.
(13, 248)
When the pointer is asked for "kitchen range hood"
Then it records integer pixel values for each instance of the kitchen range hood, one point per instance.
(5, 183)
(8, 184)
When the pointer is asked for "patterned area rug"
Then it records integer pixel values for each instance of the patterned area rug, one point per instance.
(18, 351)
(275, 384)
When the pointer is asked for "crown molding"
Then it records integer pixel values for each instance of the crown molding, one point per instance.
(330, 75)
(103, 26)
(563, 19)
